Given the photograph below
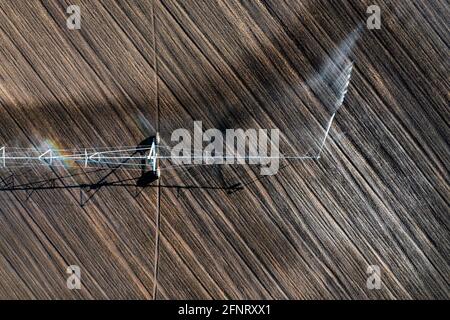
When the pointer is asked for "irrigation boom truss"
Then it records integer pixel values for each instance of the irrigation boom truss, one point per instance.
(146, 157)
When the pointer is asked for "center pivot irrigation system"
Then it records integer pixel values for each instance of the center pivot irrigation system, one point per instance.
(145, 157)
(141, 157)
